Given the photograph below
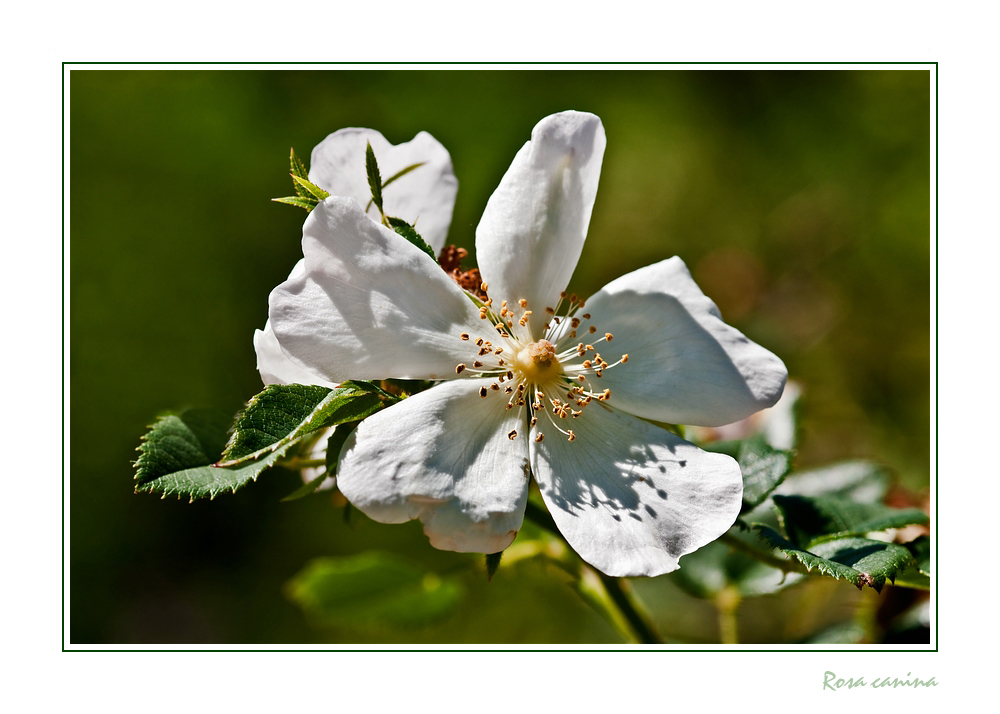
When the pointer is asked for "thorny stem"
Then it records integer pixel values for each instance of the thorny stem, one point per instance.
(622, 597)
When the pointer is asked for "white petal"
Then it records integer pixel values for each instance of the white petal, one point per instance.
(630, 497)
(442, 456)
(425, 195)
(532, 231)
(686, 366)
(370, 305)
(275, 367)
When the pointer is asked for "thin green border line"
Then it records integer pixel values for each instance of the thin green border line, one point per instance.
(67, 64)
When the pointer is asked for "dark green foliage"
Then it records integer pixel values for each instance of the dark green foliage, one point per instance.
(763, 467)
(811, 519)
(373, 591)
(410, 233)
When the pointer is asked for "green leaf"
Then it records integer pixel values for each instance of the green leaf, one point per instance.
(402, 172)
(811, 519)
(372, 590)
(283, 413)
(313, 190)
(297, 167)
(861, 561)
(178, 453)
(374, 178)
(763, 467)
(410, 233)
(307, 203)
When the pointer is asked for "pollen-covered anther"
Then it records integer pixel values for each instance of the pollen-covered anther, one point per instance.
(479, 342)
(485, 288)
(608, 336)
(512, 435)
(522, 302)
(592, 329)
(483, 391)
(572, 436)
(477, 364)
(482, 313)
(464, 335)
(539, 437)
(588, 364)
(624, 358)
(495, 387)
(534, 420)
(460, 368)
(575, 322)
(508, 390)
(498, 350)
(550, 310)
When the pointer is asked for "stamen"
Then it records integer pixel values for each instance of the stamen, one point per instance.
(572, 436)
(477, 363)
(512, 435)
(539, 437)
(608, 336)
(460, 368)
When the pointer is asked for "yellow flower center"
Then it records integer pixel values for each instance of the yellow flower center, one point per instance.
(537, 363)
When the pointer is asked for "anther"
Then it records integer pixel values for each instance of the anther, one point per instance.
(586, 315)
(534, 420)
(608, 336)
(485, 287)
(562, 295)
(572, 436)
(509, 390)
(483, 391)
(624, 358)
(479, 342)
(550, 311)
(588, 364)
(539, 437)
(575, 322)
(498, 350)
(464, 335)
(495, 387)
(522, 302)
(477, 363)
(592, 329)
(512, 435)
(510, 375)
(460, 368)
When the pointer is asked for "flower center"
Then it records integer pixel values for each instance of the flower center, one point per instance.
(551, 378)
(537, 363)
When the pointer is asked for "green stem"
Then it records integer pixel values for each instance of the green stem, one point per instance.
(727, 602)
(622, 597)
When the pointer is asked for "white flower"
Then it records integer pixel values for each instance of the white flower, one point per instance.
(425, 195)
(548, 391)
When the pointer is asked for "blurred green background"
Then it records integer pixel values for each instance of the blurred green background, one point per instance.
(800, 200)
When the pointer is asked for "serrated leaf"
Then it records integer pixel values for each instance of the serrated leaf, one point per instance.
(374, 178)
(372, 590)
(178, 453)
(297, 167)
(307, 203)
(283, 413)
(410, 233)
(402, 172)
(763, 467)
(808, 519)
(861, 561)
(313, 190)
